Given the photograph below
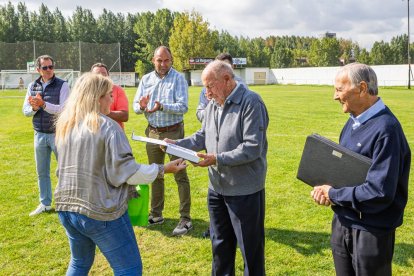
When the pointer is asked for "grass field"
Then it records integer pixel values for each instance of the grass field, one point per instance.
(297, 230)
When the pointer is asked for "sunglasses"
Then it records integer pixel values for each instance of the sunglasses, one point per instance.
(44, 68)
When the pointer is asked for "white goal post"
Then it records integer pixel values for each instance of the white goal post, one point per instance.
(20, 79)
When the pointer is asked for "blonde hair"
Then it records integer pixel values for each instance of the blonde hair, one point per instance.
(82, 108)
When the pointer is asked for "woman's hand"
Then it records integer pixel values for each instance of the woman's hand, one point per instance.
(175, 166)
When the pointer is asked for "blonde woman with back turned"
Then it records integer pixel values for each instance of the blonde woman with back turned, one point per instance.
(97, 174)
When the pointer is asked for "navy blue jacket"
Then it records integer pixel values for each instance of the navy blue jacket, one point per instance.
(377, 204)
(42, 120)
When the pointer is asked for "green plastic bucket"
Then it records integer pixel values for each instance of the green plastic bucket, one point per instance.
(138, 207)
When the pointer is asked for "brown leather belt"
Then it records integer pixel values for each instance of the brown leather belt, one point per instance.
(165, 129)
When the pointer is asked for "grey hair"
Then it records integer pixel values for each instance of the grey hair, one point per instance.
(358, 72)
(219, 68)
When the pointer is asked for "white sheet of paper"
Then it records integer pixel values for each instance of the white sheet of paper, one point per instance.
(149, 140)
(170, 148)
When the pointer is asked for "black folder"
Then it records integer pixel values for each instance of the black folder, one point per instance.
(326, 162)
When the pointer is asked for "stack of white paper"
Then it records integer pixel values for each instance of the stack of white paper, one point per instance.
(170, 148)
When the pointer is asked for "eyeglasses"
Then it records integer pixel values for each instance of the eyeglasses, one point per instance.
(44, 68)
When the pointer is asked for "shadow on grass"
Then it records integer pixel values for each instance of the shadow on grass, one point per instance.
(310, 243)
(199, 226)
(305, 243)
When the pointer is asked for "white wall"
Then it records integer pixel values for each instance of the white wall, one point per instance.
(388, 75)
(196, 76)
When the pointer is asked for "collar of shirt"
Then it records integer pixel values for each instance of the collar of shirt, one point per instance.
(156, 73)
(367, 114)
(44, 84)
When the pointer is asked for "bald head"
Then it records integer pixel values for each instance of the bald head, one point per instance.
(162, 60)
(218, 79)
(218, 68)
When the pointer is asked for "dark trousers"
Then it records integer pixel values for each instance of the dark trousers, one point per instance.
(237, 220)
(358, 252)
(156, 155)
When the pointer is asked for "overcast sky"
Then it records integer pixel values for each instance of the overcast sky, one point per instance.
(363, 21)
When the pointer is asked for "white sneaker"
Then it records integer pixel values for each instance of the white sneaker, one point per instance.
(183, 227)
(40, 209)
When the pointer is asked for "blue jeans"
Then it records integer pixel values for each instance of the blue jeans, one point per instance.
(44, 145)
(115, 239)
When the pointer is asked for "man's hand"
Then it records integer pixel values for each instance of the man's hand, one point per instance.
(157, 106)
(143, 102)
(36, 102)
(320, 195)
(208, 160)
(169, 141)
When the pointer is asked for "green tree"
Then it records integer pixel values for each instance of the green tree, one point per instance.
(152, 30)
(43, 24)
(282, 56)
(346, 50)
(127, 39)
(190, 37)
(83, 25)
(324, 52)
(9, 23)
(399, 48)
(258, 53)
(109, 27)
(381, 53)
(60, 28)
(24, 32)
(227, 43)
(362, 56)
(301, 51)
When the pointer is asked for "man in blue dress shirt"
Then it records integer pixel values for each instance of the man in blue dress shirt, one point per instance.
(162, 96)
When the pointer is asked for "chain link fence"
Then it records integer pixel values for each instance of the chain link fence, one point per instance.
(71, 59)
(77, 56)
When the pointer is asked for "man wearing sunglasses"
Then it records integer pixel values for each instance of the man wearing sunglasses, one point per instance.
(44, 99)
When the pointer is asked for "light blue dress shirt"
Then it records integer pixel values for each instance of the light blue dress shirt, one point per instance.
(367, 114)
(171, 91)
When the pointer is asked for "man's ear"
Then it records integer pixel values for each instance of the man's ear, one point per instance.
(363, 87)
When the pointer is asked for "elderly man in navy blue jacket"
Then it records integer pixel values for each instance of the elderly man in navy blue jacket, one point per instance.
(234, 135)
(366, 216)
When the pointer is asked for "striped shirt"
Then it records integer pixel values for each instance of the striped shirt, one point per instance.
(171, 91)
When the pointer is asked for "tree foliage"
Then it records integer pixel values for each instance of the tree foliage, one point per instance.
(324, 52)
(190, 37)
(381, 53)
(282, 56)
(187, 34)
(152, 30)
